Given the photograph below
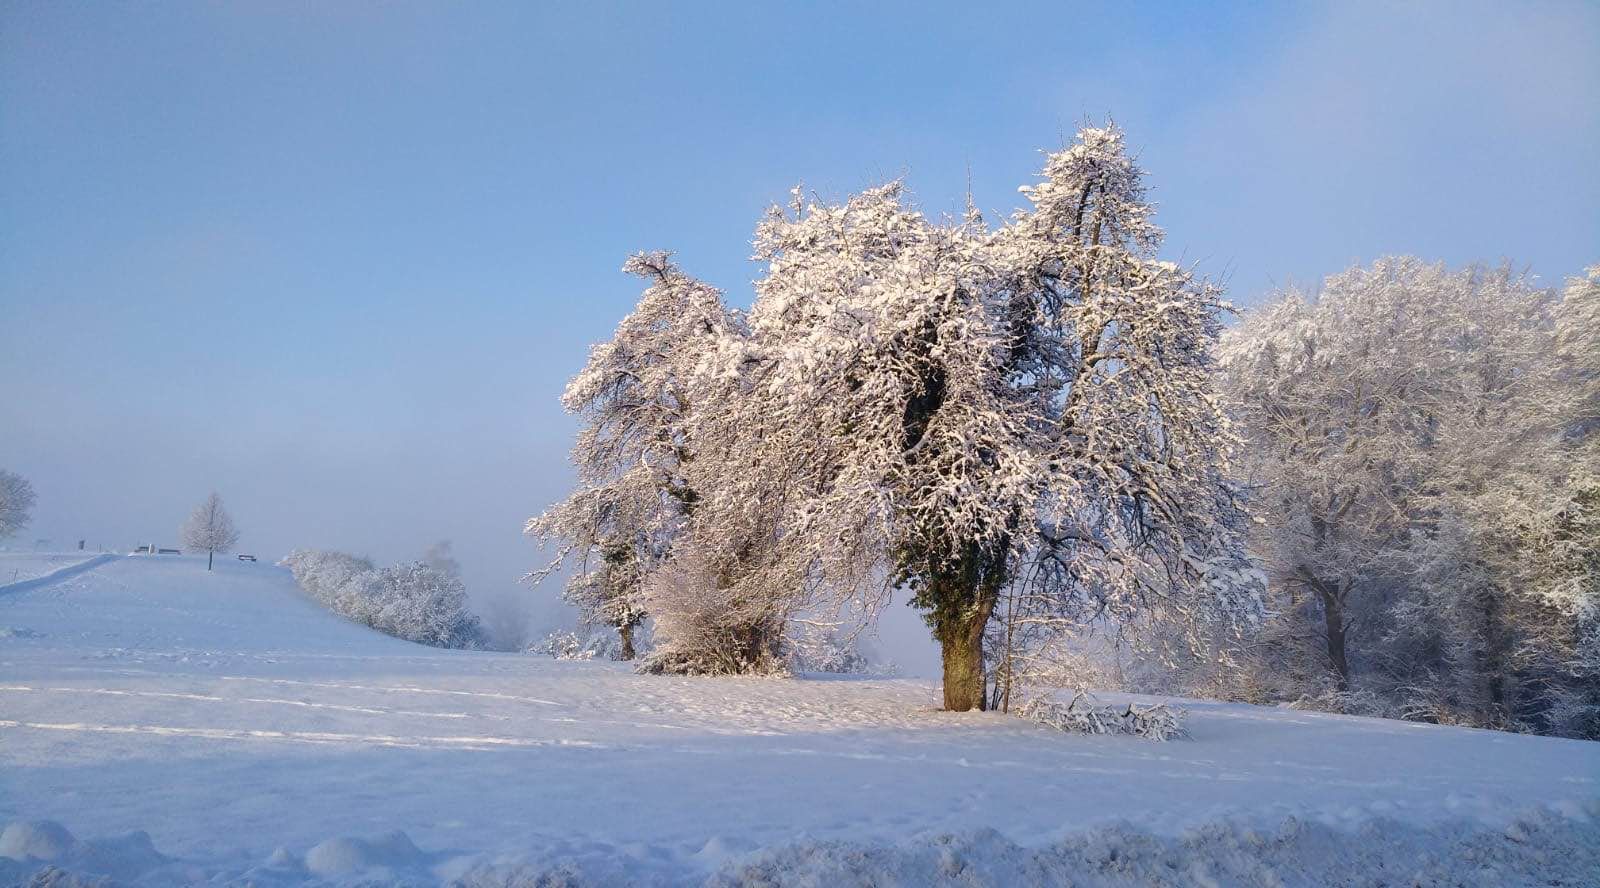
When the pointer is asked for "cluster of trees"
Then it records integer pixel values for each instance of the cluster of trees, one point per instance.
(16, 503)
(1038, 430)
(421, 601)
(1423, 458)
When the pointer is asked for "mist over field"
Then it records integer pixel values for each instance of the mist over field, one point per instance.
(338, 262)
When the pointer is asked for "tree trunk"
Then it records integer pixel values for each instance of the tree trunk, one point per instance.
(210, 555)
(961, 648)
(1492, 659)
(627, 641)
(1333, 626)
(966, 605)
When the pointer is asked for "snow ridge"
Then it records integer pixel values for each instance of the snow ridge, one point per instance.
(57, 575)
(1540, 846)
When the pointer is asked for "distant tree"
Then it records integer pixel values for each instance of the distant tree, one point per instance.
(16, 502)
(507, 619)
(210, 528)
(440, 557)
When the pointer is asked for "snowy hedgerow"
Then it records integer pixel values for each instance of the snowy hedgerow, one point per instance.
(416, 602)
(423, 604)
(16, 502)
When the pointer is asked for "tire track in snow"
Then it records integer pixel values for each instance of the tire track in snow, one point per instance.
(403, 689)
(492, 744)
(479, 744)
(171, 695)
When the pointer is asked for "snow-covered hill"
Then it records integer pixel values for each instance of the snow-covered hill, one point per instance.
(253, 735)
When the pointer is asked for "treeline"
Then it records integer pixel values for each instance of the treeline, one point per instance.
(1041, 433)
(417, 601)
(1421, 452)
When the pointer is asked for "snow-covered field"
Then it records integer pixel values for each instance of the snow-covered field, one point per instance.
(255, 737)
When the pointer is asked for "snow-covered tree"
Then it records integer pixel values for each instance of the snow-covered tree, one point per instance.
(210, 529)
(944, 406)
(1421, 490)
(16, 503)
(1578, 344)
(507, 619)
(635, 397)
(958, 409)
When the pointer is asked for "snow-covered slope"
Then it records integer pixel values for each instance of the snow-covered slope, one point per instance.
(247, 731)
(18, 567)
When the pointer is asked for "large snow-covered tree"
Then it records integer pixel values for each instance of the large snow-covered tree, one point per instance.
(16, 503)
(961, 409)
(946, 407)
(635, 397)
(210, 528)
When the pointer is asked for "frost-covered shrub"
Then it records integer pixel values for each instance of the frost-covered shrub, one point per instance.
(425, 605)
(1349, 703)
(568, 645)
(700, 629)
(1082, 715)
(415, 602)
(818, 649)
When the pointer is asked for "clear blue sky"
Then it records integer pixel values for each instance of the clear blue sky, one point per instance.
(336, 260)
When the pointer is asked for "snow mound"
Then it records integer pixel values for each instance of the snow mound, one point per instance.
(28, 843)
(393, 852)
(35, 840)
(1540, 846)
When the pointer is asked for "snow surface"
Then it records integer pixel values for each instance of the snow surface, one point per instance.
(16, 567)
(212, 726)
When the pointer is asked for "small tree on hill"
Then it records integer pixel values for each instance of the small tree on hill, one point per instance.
(16, 501)
(210, 528)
